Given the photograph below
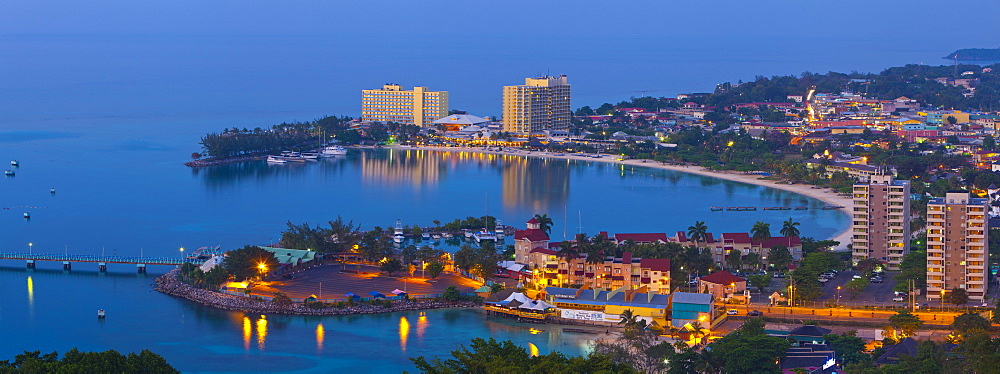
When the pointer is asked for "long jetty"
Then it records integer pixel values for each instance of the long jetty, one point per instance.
(102, 261)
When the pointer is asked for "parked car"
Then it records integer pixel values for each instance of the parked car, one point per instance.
(899, 298)
(732, 312)
(779, 275)
(823, 280)
(876, 280)
(755, 313)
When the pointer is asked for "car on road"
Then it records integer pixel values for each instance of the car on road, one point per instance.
(755, 313)
(823, 280)
(732, 312)
(899, 298)
(779, 275)
(876, 280)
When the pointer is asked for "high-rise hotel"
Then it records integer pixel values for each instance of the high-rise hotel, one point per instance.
(958, 248)
(881, 220)
(539, 104)
(412, 107)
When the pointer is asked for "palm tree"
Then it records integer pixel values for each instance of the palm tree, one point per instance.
(698, 232)
(594, 256)
(789, 230)
(544, 222)
(628, 318)
(567, 250)
(697, 330)
(761, 231)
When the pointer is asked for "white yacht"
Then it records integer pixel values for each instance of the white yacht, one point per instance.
(397, 234)
(276, 160)
(484, 235)
(333, 150)
(310, 155)
(425, 235)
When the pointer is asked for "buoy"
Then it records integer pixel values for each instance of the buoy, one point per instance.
(52, 190)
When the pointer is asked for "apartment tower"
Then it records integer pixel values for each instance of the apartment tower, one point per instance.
(412, 107)
(539, 104)
(957, 245)
(881, 220)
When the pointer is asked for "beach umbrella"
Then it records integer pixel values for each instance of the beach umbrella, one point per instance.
(352, 295)
(377, 294)
(398, 292)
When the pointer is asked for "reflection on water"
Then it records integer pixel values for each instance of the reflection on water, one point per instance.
(395, 167)
(261, 332)
(541, 184)
(247, 332)
(320, 335)
(31, 294)
(404, 332)
(533, 349)
(422, 325)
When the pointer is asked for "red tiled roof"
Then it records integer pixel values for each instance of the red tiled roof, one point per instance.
(642, 238)
(736, 237)
(532, 235)
(627, 258)
(681, 236)
(533, 220)
(655, 264)
(709, 239)
(788, 242)
(543, 251)
(722, 277)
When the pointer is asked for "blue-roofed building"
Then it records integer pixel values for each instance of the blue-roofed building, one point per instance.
(686, 307)
(607, 306)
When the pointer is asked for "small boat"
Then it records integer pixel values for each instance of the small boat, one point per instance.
(715, 208)
(9, 173)
(292, 156)
(310, 155)
(436, 236)
(333, 150)
(276, 160)
(425, 235)
(446, 235)
(829, 207)
(52, 190)
(777, 208)
(15, 163)
(100, 314)
(27, 214)
(467, 233)
(801, 208)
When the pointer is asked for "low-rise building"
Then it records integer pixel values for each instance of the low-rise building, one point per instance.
(602, 305)
(688, 308)
(722, 285)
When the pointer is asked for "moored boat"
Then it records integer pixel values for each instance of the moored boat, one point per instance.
(9, 173)
(715, 208)
(15, 163)
(333, 150)
(276, 160)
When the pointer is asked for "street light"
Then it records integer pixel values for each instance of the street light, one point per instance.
(838, 296)
(182, 253)
(29, 247)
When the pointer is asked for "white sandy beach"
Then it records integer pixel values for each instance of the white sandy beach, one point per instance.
(822, 194)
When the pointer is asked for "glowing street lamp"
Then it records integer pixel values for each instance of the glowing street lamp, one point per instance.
(29, 247)
(262, 267)
(182, 253)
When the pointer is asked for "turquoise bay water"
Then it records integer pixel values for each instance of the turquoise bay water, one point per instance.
(121, 189)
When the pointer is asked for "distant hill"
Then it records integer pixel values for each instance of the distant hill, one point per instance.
(977, 54)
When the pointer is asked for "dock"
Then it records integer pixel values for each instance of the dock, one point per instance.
(102, 261)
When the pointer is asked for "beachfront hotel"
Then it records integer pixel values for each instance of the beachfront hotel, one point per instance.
(957, 245)
(880, 227)
(392, 103)
(539, 104)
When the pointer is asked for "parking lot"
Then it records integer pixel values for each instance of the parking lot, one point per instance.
(329, 281)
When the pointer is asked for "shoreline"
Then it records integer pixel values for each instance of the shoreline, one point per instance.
(169, 284)
(822, 194)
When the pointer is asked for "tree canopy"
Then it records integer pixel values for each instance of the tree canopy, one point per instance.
(75, 361)
(489, 356)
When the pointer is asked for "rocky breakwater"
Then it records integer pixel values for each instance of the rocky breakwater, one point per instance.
(171, 285)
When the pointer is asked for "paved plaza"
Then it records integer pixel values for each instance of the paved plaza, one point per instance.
(330, 282)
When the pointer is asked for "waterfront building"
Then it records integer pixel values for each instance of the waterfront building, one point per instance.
(957, 245)
(539, 104)
(722, 245)
(602, 305)
(392, 103)
(880, 224)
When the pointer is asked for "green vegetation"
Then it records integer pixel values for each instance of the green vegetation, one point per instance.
(481, 261)
(211, 280)
(249, 262)
(74, 361)
(906, 324)
(749, 350)
(339, 237)
(805, 278)
(957, 296)
(488, 356)
(848, 347)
